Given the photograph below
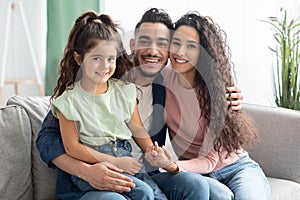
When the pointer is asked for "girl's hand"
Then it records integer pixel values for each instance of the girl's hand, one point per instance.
(153, 148)
(234, 100)
(128, 164)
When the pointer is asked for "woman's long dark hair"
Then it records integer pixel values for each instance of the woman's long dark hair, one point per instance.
(88, 30)
(233, 129)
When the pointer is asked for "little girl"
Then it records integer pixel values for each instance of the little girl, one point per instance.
(97, 111)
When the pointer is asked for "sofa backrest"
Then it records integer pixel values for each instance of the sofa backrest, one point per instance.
(278, 148)
(34, 109)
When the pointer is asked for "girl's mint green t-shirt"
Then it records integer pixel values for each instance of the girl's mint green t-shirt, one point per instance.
(99, 118)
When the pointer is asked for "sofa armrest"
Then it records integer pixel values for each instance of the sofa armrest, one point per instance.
(15, 156)
(278, 149)
(43, 178)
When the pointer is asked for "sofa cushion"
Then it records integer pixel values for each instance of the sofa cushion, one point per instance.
(15, 148)
(44, 179)
(284, 189)
(277, 150)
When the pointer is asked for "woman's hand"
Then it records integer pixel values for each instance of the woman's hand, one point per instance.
(234, 100)
(161, 157)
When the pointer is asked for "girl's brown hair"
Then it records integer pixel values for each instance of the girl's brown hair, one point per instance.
(88, 30)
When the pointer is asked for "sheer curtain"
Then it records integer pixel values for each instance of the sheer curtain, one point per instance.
(61, 15)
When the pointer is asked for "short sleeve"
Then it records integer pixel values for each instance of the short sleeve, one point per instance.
(65, 104)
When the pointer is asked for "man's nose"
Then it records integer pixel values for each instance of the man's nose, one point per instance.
(152, 49)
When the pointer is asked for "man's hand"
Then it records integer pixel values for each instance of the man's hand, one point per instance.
(234, 98)
(105, 176)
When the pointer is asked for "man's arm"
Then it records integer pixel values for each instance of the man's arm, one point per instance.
(234, 98)
(102, 176)
(49, 142)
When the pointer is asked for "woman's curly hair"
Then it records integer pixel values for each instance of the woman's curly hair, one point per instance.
(88, 30)
(234, 129)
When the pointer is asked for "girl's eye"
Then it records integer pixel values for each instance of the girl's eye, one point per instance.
(97, 59)
(112, 59)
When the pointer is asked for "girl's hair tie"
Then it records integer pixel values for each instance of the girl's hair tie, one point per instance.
(97, 21)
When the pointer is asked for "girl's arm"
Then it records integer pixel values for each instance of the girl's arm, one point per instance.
(74, 148)
(82, 152)
(139, 133)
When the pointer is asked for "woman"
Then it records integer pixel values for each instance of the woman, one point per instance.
(207, 136)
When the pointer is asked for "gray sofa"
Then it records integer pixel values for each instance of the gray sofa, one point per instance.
(25, 176)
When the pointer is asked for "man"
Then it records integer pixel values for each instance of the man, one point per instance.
(150, 55)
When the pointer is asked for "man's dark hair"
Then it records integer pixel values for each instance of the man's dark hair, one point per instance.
(156, 15)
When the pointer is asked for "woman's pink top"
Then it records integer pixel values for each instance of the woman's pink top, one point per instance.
(194, 150)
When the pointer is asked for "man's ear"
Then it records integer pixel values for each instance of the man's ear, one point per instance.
(77, 58)
(132, 41)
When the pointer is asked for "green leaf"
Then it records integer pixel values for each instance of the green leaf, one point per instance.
(285, 70)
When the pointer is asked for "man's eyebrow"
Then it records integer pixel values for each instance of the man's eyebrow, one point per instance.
(144, 37)
(163, 39)
(148, 38)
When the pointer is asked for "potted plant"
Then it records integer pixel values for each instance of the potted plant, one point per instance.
(286, 68)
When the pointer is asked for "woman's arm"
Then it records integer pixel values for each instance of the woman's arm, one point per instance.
(139, 133)
(74, 148)
(162, 158)
(203, 165)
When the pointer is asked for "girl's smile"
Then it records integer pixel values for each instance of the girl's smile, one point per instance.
(98, 66)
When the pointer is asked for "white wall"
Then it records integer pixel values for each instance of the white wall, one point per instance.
(19, 64)
(248, 38)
